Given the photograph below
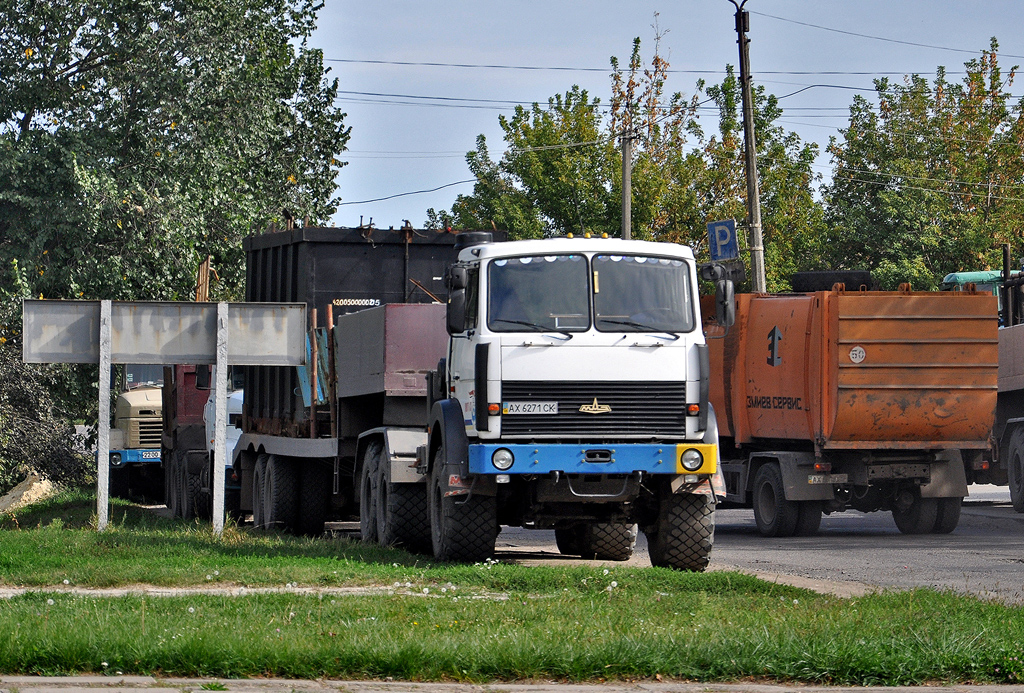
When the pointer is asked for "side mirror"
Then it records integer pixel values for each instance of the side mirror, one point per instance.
(456, 315)
(203, 377)
(458, 278)
(725, 303)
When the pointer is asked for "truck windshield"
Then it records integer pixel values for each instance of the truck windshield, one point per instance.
(136, 376)
(541, 293)
(633, 293)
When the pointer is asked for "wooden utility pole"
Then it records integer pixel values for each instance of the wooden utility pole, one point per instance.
(627, 180)
(753, 189)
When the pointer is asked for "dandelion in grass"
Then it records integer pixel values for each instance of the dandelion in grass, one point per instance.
(50, 602)
(605, 571)
(191, 609)
(67, 582)
(426, 590)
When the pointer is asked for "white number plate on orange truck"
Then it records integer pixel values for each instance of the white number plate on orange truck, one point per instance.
(826, 479)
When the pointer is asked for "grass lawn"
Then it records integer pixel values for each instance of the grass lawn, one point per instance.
(453, 622)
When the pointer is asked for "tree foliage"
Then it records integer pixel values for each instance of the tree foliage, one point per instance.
(930, 180)
(137, 137)
(562, 171)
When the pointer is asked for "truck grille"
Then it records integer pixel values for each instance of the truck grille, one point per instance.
(144, 434)
(636, 409)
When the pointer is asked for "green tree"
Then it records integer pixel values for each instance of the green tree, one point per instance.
(562, 170)
(553, 179)
(929, 181)
(137, 137)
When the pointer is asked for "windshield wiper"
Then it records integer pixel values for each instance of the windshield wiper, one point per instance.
(535, 326)
(642, 326)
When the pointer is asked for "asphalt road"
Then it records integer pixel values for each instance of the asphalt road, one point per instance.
(854, 553)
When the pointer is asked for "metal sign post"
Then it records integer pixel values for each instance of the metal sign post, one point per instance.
(220, 437)
(108, 332)
(103, 441)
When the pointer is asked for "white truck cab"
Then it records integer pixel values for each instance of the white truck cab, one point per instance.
(575, 396)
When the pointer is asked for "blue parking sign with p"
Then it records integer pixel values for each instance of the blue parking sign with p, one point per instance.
(722, 240)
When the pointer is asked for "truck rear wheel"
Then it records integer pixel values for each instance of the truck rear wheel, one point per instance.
(684, 534)
(190, 489)
(171, 482)
(774, 515)
(569, 540)
(368, 492)
(808, 518)
(608, 541)
(1015, 472)
(280, 494)
(259, 476)
(947, 516)
(464, 527)
(913, 514)
(403, 518)
(314, 484)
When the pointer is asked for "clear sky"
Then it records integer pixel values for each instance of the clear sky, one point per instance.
(413, 124)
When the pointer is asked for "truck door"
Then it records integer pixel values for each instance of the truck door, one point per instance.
(462, 351)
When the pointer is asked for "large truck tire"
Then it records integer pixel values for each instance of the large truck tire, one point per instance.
(464, 527)
(569, 540)
(170, 483)
(259, 482)
(684, 533)
(608, 541)
(403, 515)
(1015, 468)
(913, 514)
(947, 515)
(368, 476)
(233, 505)
(773, 514)
(314, 499)
(190, 489)
(280, 494)
(808, 518)
(204, 499)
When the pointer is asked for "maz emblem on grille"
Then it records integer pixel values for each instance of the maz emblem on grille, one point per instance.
(595, 408)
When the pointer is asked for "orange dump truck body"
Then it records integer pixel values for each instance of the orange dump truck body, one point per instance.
(859, 370)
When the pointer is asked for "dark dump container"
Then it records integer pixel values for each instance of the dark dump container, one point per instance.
(348, 269)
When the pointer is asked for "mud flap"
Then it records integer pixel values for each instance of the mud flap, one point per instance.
(446, 421)
(948, 478)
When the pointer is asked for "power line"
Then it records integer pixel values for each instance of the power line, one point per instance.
(931, 190)
(414, 192)
(556, 68)
(876, 38)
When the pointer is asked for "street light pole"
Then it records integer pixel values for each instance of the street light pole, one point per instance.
(753, 189)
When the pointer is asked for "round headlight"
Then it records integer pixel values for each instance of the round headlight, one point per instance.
(502, 459)
(692, 460)
(115, 459)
